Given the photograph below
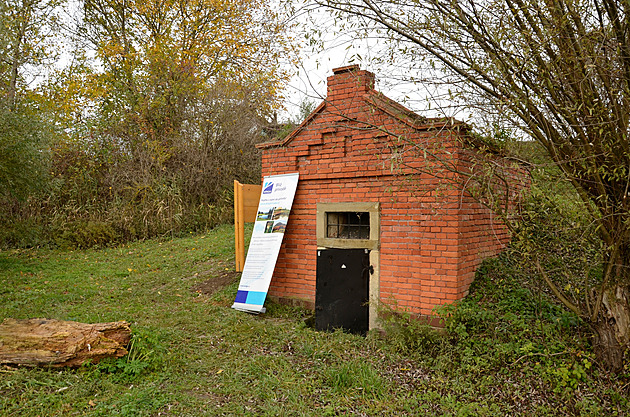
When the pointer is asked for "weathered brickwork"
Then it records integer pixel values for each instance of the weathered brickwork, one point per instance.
(359, 146)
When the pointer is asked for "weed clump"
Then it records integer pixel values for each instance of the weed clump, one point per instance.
(407, 334)
(144, 357)
(355, 377)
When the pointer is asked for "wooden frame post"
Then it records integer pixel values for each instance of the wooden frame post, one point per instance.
(246, 197)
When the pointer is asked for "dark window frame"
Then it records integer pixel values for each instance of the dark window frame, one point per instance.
(348, 225)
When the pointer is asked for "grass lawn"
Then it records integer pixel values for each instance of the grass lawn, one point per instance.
(192, 355)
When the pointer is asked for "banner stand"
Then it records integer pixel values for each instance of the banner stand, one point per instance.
(272, 216)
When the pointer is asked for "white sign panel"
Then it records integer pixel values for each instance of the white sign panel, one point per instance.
(274, 207)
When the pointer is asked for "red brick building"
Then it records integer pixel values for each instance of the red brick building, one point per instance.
(370, 184)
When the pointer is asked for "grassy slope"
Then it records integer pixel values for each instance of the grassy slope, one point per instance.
(195, 356)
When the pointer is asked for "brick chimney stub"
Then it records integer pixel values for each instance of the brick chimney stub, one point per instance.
(349, 81)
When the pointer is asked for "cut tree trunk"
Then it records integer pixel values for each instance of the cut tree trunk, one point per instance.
(44, 342)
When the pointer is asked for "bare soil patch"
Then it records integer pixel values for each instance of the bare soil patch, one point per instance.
(213, 285)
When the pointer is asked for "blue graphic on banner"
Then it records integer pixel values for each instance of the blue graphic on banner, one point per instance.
(271, 221)
(250, 297)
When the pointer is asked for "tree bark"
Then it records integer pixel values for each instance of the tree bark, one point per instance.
(612, 329)
(56, 343)
(17, 58)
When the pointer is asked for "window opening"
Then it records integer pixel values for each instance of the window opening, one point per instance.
(348, 225)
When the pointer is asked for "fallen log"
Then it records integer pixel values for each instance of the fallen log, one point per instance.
(57, 343)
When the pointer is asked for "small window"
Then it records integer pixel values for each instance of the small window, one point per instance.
(348, 225)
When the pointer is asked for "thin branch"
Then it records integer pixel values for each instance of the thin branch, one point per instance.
(563, 299)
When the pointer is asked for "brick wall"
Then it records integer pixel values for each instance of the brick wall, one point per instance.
(360, 147)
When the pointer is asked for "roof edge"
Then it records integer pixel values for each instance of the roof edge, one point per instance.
(294, 132)
(405, 115)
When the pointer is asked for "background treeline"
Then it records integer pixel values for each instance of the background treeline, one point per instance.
(126, 120)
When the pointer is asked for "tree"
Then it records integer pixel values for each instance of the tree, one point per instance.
(161, 103)
(160, 59)
(162, 65)
(179, 76)
(25, 32)
(26, 28)
(559, 70)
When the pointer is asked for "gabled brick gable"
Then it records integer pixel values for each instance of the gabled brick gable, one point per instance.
(358, 146)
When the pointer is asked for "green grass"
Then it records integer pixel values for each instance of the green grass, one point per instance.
(503, 352)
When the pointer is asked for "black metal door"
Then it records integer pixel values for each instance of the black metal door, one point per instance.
(342, 289)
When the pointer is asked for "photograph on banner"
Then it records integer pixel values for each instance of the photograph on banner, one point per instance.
(275, 219)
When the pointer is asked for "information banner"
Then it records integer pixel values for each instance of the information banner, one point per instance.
(274, 207)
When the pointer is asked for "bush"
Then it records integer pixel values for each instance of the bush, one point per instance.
(125, 184)
(22, 233)
(81, 234)
(24, 153)
(507, 323)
